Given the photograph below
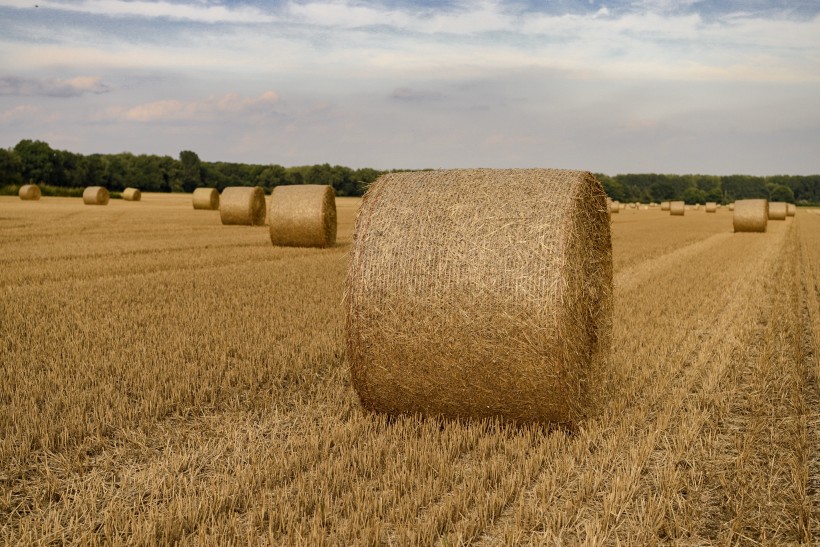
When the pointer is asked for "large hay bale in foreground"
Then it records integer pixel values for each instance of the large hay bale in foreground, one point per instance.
(206, 198)
(477, 293)
(131, 194)
(791, 209)
(665, 205)
(677, 208)
(777, 210)
(95, 195)
(751, 215)
(711, 207)
(242, 205)
(303, 215)
(29, 192)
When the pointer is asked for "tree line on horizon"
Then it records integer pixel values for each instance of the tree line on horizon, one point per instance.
(34, 161)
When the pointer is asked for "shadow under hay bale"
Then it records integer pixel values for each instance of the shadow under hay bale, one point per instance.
(95, 195)
(303, 215)
(478, 293)
(751, 215)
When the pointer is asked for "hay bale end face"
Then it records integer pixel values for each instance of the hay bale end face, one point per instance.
(479, 293)
(206, 198)
(29, 192)
(665, 205)
(95, 195)
(303, 216)
(131, 194)
(777, 210)
(751, 215)
(791, 209)
(677, 208)
(711, 207)
(243, 205)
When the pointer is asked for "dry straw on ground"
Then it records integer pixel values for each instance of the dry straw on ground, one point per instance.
(751, 215)
(791, 209)
(303, 215)
(711, 207)
(677, 208)
(475, 293)
(665, 205)
(242, 205)
(95, 195)
(206, 198)
(29, 192)
(777, 210)
(131, 194)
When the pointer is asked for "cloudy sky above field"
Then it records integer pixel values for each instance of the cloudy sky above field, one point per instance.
(676, 86)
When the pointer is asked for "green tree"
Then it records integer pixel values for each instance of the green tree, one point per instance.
(694, 195)
(779, 192)
(11, 167)
(190, 171)
(41, 164)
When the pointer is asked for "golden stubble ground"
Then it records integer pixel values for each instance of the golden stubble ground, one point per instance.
(164, 378)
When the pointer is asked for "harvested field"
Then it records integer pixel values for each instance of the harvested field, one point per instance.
(211, 401)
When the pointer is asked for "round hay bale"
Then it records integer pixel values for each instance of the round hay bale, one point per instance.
(29, 192)
(677, 208)
(711, 207)
(477, 293)
(303, 215)
(206, 198)
(791, 209)
(95, 195)
(777, 210)
(665, 205)
(731, 206)
(242, 205)
(615, 207)
(131, 194)
(751, 215)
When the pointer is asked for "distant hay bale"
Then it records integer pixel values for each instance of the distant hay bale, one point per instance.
(711, 207)
(206, 198)
(731, 206)
(791, 209)
(95, 195)
(303, 215)
(677, 208)
(615, 207)
(665, 205)
(477, 293)
(751, 215)
(777, 210)
(131, 194)
(29, 192)
(242, 205)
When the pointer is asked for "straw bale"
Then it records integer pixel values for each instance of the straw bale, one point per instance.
(751, 215)
(665, 205)
(731, 206)
(677, 208)
(791, 209)
(777, 210)
(615, 207)
(131, 194)
(29, 192)
(206, 198)
(242, 205)
(303, 216)
(711, 207)
(477, 293)
(95, 195)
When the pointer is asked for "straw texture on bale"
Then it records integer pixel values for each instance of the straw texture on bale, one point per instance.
(242, 205)
(711, 207)
(615, 207)
(131, 194)
(751, 215)
(477, 293)
(29, 192)
(665, 206)
(206, 198)
(95, 195)
(777, 210)
(677, 208)
(791, 209)
(303, 215)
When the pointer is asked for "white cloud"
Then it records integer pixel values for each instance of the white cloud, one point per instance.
(208, 109)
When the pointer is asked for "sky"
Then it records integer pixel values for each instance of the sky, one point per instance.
(625, 86)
